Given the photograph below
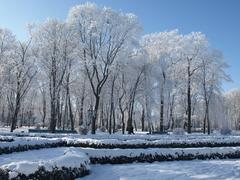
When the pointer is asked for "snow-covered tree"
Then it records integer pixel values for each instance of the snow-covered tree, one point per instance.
(103, 34)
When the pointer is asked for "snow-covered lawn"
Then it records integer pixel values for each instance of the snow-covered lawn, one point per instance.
(27, 162)
(121, 141)
(177, 170)
(117, 148)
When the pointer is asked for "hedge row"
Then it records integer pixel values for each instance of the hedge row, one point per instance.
(6, 139)
(153, 145)
(160, 157)
(42, 174)
(26, 147)
(63, 143)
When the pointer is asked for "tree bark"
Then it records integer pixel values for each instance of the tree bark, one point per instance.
(143, 119)
(189, 107)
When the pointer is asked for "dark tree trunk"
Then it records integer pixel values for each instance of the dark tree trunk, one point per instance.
(171, 112)
(15, 114)
(17, 106)
(208, 120)
(82, 100)
(44, 108)
(131, 104)
(102, 123)
(53, 95)
(189, 107)
(161, 115)
(112, 110)
(71, 113)
(95, 114)
(143, 119)
(123, 123)
(162, 103)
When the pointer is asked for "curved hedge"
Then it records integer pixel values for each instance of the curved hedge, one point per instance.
(160, 157)
(65, 143)
(42, 174)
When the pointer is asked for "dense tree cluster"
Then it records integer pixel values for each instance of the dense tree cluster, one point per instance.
(94, 70)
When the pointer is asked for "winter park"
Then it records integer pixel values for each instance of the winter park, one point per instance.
(119, 90)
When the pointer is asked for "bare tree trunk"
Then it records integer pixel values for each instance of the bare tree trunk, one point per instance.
(162, 103)
(69, 105)
(95, 114)
(120, 104)
(44, 107)
(189, 107)
(82, 102)
(143, 118)
(112, 110)
(3, 114)
(53, 95)
(114, 119)
(171, 112)
(71, 113)
(131, 103)
(208, 120)
(16, 111)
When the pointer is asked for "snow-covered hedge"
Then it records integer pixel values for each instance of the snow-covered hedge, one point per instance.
(70, 165)
(119, 156)
(6, 139)
(179, 132)
(167, 143)
(29, 143)
(225, 131)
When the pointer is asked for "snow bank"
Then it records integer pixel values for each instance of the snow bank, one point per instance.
(175, 170)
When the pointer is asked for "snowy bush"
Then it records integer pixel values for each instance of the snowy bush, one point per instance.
(83, 130)
(6, 139)
(38, 126)
(4, 174)
(119, 156)
(102, 129)
(225, 131)
(179, 131)
(65, 164)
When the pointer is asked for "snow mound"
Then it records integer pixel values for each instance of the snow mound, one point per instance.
(69, 158)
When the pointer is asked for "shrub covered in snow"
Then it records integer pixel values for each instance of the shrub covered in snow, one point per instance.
(29, 143)
(179, 131)
(102, 129)
(71, 164)
(119, 156)
(38, 126)
(6, 139)
(225, 131)
(83, 130)
(4, 174)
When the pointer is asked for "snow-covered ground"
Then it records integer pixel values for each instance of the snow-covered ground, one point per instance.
(177, 170)
(28, 162)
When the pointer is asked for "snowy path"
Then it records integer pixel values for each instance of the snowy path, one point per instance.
(178, 170)
(33, 155)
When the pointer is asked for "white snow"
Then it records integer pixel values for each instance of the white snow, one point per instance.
(177, 170)
(118, 139)
(29, 161)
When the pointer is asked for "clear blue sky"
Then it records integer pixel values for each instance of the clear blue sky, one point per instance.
(218, 19)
